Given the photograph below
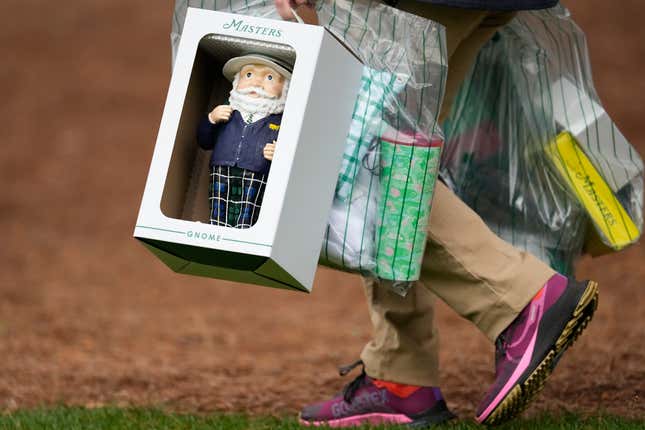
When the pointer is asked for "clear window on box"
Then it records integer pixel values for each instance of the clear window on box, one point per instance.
(230, 119)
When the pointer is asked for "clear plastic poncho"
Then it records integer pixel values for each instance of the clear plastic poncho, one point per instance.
(530, 148)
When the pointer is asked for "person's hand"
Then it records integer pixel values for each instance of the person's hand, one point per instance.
(304, 8)
(269, 150)
(221, 113)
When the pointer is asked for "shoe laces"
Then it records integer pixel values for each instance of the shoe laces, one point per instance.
(350, 389)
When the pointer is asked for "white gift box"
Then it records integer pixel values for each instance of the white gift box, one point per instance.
(282, 248)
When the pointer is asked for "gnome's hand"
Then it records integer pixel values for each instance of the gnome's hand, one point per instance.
(269, 150)
(304, 8)
(221, 113)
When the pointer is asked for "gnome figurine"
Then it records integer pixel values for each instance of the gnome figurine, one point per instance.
(242, 135)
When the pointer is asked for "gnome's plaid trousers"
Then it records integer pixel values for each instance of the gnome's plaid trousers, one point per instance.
(235, 196)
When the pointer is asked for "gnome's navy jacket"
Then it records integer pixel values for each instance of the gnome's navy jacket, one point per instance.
(238, 143)
(495, 4)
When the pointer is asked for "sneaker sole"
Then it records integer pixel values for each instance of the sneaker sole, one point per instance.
(519, 397)
(359, 420)
(435, 416)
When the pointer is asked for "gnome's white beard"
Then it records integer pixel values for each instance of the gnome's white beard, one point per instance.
(255, 108)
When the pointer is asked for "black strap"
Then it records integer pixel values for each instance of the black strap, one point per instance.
(351, 388)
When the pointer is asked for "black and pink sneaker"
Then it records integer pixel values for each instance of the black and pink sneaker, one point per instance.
(530, 347)
(369, 401)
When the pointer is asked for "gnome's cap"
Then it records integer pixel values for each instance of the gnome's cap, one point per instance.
(234, 65)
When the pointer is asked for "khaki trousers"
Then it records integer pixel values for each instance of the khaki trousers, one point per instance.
(481, 277)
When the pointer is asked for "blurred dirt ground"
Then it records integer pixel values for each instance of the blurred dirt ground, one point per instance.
(89, 317)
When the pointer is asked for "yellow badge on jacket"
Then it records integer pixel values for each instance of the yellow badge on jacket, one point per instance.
(274, 127)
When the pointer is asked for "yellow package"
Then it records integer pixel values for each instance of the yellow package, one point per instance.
(608, 215)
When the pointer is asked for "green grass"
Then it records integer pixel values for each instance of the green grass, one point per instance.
(74, 418)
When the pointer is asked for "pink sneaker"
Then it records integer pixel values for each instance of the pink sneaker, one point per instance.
(530, 347)
(369, 401)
